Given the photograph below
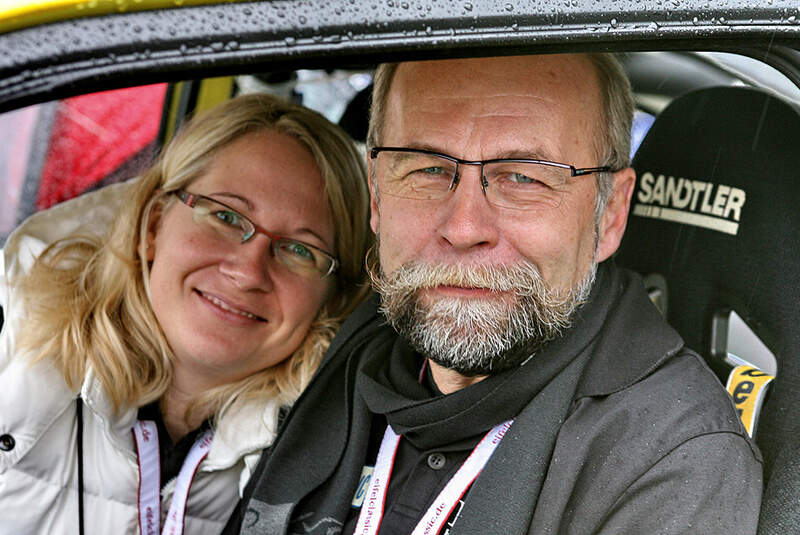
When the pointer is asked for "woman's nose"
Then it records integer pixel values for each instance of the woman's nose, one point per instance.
(251, 265)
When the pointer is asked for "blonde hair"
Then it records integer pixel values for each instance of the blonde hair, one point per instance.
(94, 293)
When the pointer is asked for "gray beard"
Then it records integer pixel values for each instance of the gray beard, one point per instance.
(478, 336)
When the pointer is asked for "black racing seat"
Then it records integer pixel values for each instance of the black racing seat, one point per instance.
(715, 230)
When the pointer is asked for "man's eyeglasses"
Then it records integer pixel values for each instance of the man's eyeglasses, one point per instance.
(224, 222)
(518, 183)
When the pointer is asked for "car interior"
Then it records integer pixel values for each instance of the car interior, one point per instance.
(712, 219)
(712, 204)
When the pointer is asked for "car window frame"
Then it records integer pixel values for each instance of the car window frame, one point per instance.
(56, 60)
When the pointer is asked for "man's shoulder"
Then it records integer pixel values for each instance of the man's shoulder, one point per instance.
(680, 399)
(640, 456)
(683, 385)
(643, 450)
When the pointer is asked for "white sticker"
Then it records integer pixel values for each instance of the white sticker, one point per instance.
(690, 202)
(363, 486)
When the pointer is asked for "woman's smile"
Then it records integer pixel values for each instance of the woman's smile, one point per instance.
(226, 307)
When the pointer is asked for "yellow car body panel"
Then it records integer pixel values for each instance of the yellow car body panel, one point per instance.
(16, 14)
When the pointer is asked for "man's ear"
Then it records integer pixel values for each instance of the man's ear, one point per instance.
(152, 228)
(615, 218)
(374, 217)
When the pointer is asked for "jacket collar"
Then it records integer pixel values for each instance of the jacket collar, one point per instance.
(243, 430)
(633, 341)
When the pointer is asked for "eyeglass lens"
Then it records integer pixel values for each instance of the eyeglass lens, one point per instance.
(234, 227)
(511, 184)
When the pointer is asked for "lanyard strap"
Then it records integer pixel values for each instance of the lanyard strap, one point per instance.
(369, 520)
(431, 523)
(146, 437)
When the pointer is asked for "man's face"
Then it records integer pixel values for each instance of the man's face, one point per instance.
(543, 107)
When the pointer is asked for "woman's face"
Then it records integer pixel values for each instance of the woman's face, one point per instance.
(228, 309)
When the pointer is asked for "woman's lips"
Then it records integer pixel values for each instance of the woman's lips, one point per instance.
(228, 307)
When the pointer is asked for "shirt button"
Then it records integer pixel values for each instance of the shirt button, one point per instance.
(436, 461)
(7, 442)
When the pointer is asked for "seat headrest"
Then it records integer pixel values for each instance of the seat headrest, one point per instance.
(716, 211)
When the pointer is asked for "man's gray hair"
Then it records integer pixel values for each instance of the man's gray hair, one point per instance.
(614, 124)
(614, 144)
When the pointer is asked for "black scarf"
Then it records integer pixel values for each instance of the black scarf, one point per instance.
(331, 422)
(390, 386)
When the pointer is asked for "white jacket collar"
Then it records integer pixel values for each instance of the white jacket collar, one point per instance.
(248, 429)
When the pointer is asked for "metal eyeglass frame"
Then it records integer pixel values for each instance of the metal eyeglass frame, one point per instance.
(574, 171)
(190, 200)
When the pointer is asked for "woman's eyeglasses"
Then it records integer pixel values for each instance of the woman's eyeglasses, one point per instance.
(223, 221)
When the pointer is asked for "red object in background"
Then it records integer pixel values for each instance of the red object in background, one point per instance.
(93, 135)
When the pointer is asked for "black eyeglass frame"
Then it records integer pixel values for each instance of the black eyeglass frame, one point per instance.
(574, 171)
(190, 200)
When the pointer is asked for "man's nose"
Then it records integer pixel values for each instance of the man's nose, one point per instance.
(250, 265)
(466, 218)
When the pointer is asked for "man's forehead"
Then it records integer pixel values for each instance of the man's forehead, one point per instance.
(498, 76)
(497, 104)
(485, 104)
(513, 86)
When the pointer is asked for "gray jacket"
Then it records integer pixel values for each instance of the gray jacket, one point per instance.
(644, 440)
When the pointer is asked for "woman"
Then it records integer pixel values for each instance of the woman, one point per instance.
(206, 308)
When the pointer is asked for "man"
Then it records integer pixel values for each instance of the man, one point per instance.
(524, 384)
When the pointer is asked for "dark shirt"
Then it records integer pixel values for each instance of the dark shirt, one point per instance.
(171, 455)
(418, 476)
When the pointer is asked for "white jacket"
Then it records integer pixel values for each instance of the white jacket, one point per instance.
(38, 475)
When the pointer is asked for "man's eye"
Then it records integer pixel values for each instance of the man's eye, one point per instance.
(431, 170)
(229, 217)
(520, 178)
(433, 173)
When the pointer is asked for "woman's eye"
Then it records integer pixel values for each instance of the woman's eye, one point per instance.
(300, 250)
(229, 217)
